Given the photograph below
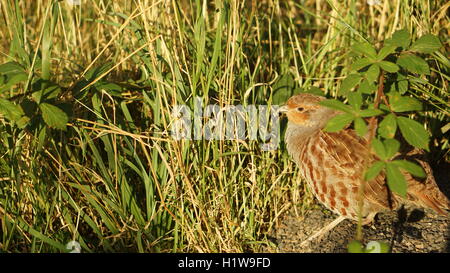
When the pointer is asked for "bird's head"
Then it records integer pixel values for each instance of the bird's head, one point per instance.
(304, 110)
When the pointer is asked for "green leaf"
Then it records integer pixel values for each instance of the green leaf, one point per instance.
(361, 63)
(385, 51)
(395, 179)
(400, 38)
(11, 67)
(53, 116)
(372, 73)
(315, 90)
(377, 247)
(367, 88)
(338, 122)
(360, 127)
(10, 110)
(413, 64)
(412, 168)
(355, 247)
(335, 104)
(365, 49)
(355, 99)
(413, 132)
(374, 170)
(370, 112)
(391, 147)
(283, 89)
(14, 78)
(349, 82)
(379, 149)
(402, 83)
(403, 104)
(388, 126)
(426, 44)
(388, 66)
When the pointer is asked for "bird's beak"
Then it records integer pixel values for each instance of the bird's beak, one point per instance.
(283, 109)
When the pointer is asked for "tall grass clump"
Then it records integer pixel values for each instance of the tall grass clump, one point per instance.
(86, 95)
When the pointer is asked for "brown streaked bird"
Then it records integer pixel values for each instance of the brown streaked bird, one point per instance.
(332, 165)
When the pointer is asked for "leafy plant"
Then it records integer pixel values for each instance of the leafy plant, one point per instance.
(377, 89)
(377, 86)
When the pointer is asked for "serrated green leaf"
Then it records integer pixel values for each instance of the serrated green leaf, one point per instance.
(412, 168)
(338, 122)
(355, 99)
(388, 126)
(365, 49)
(391, 147)
(426, 44)
(413, 64)
(10, 110)
(370, 112)
(349, 83)
(374, 170)
(402, 83)
(367, 88)
(395, 179)
(53, 116)
(335, 104)
(385, 51)
(403, 104)
(361, 63)
(413, 132)
(388, 66)
(360, 127)
(372, 73)
(379, 149)
(400, 38)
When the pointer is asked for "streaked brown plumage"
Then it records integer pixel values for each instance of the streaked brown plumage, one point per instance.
(332, 165)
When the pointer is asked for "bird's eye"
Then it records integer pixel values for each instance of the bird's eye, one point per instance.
(300, 109)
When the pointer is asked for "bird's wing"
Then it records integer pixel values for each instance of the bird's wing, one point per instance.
(349, 152)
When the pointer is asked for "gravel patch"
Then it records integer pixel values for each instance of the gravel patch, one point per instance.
(406, 231)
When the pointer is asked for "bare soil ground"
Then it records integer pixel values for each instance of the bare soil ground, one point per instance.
(409, 230)
(406, 231)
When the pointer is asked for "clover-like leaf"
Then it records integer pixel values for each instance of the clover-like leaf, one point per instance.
(338, 105)
(385, 51)
(388, 66)
(360, 127)
(426, 44)
(413, 132)
(403, 104)
(338, 122)
(388, 126)
(349, 82)
(54, 116)
(374, 170)
(410, 167)
(395, 179)
(365, 49)
(413, 64)
(391, 147)
(373, 72)
(400, 38)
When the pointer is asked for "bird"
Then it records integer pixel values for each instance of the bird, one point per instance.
(333, 164)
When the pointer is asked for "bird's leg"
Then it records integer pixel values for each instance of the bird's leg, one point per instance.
(323, 231)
